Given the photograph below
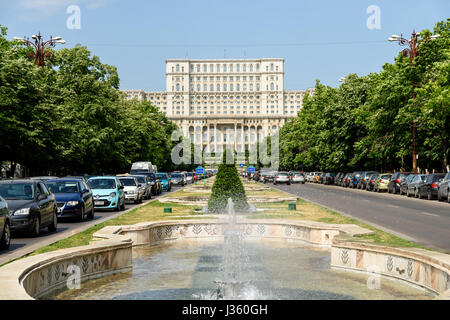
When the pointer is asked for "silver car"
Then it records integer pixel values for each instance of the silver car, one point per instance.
(145, 184)
(132, 190)
(281, 177)
(298, 177)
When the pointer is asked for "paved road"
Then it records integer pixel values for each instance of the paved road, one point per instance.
(422, 221)
(25, 245)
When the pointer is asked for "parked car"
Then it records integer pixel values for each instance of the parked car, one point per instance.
(356, 176)
(178, 178)
(73, 198)
(31, 205)
(189, 177)
(429, 188)
(413, 186)
(5, 225)
(396, 180)
(328, 178)
(145, 184)
(444, 188)
(382, 181)
(282, 177)
(132, 189)
(347, 180)
(165, 180)
(108, 192)
(269, 176)
(405, 182)
(364, 178)
(370, 183)
(298, 177)
(338, 178)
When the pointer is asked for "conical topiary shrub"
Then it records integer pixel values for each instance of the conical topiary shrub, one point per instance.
(227, 185)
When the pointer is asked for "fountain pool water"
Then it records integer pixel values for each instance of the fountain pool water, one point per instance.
(236, 269)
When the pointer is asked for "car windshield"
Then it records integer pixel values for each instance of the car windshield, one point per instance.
(176, 175)
(128, 182)
(162, 176)
(385, 176)
(63, 186)
(17, 191)
(282, 174)
(101, 184)
(140, 179)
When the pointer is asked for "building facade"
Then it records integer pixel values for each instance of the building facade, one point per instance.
(224, 101)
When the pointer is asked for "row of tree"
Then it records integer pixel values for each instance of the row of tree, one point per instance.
(366, 123)
(70, 117)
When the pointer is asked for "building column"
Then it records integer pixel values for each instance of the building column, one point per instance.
(215, 137)
(242, 137)
(235, 136)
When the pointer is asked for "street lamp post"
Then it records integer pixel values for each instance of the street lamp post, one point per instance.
(39, 47)
(412, 51)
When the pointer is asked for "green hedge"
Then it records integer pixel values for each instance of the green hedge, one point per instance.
(227, 185)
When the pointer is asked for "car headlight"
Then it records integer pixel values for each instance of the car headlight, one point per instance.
(112, 194)
(133, 191)
(72, 203)
(22, 212)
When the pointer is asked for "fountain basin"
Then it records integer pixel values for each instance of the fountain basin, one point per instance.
(37, 276)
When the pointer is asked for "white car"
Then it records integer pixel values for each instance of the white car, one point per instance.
(132, 189)
(298, 177)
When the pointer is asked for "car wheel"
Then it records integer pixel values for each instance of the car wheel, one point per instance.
(36, 227)
(91, 214)
(439, 196)
(5, 241)
(54, 225)
(400, 192)
(448, 196)
(81, 217)
(430, 196)
(123, 205)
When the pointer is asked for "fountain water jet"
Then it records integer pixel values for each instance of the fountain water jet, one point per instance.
(232, 285)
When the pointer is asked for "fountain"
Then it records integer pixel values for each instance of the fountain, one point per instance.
(232, 286)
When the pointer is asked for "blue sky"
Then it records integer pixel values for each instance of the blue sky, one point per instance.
(318, 39)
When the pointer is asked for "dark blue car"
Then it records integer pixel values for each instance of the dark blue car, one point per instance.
(73, 198)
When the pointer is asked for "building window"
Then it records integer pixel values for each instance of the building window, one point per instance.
(251, 67)
(192, 68)
(182, 69)
(198, 68)
(231, 68)
(231, 87)
(211, 87)
(217, 67)
(238, 87)
(238, 68)
(257, 87)
(211, 68)
(218, 87)
(257, 68)
(244, 68)
(204, 68)
(178, 87)
(198, 87)
(271, 67)
(224, 87)
(244, 87)
(178, 68)
(272, 87)
(205, 87)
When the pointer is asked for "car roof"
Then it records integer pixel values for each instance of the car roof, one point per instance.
(19, 181)
(65, 179)
(103, 177)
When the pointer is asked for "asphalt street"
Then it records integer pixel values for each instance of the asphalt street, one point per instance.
(22, 245)
(422, 221)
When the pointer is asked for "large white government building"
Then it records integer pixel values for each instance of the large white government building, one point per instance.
(242, 100)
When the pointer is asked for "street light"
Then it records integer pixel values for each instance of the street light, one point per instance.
(39, 46)
(412, 51)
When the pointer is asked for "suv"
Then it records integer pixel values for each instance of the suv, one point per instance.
(5, 221)
(396, 180)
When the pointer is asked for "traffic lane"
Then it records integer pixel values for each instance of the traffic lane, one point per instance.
(22, 244)
(422, 221)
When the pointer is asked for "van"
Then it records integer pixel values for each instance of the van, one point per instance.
(142, 166)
